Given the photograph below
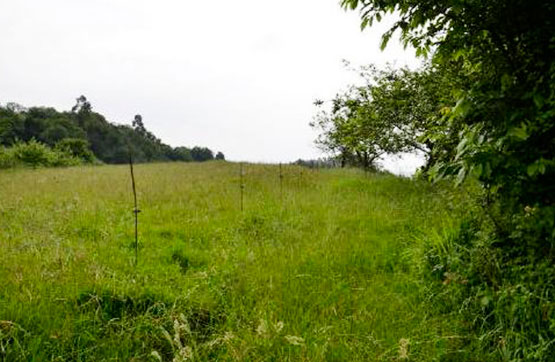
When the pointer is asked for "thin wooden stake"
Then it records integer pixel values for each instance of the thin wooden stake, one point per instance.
(242, 185)
(280, 182)
(136, 211)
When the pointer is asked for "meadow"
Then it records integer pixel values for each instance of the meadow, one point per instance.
(327, 266)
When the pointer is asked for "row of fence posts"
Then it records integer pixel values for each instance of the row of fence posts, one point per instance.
(281, 177)
(136, 210)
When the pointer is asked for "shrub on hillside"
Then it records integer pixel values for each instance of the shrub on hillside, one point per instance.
(7, 160)
(77, 147)
(36, 154)
(32, 153)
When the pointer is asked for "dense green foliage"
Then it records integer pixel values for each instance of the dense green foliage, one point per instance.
(393, 111)
(35, 154)
(329, 268)
(484, 108)
(108, 142)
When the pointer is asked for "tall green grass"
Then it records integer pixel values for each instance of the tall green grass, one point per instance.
(329, 271)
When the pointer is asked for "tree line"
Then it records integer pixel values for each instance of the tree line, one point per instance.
(481, 110)
(86, 134)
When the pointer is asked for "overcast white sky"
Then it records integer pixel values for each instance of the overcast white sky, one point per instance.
(237, 76)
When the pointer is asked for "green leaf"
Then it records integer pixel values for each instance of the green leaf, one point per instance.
(538, 100)
(385, 40)
(520, 132)
(461, 176)
(461, 108)
(350, 4)
(365, 22)
(478, 170)
(532, 169)
(536, 168)
(461, 147)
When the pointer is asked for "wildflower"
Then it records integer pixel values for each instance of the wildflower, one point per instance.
(262, 329)
(294, 340)
(278, 326)
(404, 348)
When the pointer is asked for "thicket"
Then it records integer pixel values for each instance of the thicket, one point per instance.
(69, 152)
(482, 109)
(92, 133)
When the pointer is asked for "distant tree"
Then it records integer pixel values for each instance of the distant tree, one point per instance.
(220, 156)
(183, 154)
(81, 105)
(354, 132)
(396, 110)
(12, 125)
(412, 105)
(15, 107)
(318, 163)
(138, 124)
(201, 154)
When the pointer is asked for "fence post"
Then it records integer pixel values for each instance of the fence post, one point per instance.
(136, 210)
(280, 182)
(241, 183)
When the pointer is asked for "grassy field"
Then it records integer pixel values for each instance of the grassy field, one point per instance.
(326, 269)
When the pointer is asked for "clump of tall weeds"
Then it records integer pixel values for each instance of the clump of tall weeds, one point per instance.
(502, 292)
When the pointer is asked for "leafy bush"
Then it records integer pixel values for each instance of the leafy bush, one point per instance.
(36, 154)
(7, 160)
(32, 153)
(76, 147)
